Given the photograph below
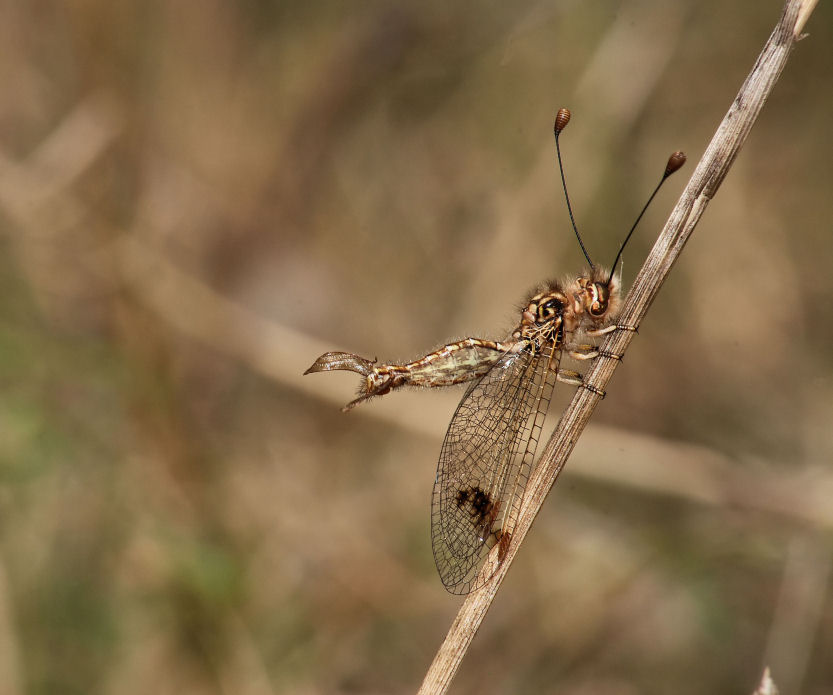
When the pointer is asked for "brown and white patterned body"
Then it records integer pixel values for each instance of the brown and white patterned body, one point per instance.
(557, 314)
(490, 445)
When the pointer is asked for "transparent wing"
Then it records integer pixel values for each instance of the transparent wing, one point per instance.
(485, 463)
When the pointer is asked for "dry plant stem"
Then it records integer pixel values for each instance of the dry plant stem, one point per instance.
(767, 685)
(704, 182)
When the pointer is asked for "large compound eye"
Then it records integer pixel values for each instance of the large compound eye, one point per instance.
(601, 297)
(549, 308)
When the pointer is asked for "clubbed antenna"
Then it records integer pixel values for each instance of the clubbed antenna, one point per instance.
(562, 118)
(675, 161)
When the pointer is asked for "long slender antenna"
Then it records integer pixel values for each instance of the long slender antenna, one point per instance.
(675, 161)
(562, 118)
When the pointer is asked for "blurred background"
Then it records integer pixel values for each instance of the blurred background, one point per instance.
(199, 198)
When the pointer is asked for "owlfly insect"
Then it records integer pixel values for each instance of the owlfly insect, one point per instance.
(489, 449)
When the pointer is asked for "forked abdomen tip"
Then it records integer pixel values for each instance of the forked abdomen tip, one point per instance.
(341, 360)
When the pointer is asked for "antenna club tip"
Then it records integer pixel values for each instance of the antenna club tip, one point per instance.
(562, 118)
(675, 161)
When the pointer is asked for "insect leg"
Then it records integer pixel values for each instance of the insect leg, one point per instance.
(566, 376)
(598, 332)
(599, 392)
(588, 352)
(582, 352)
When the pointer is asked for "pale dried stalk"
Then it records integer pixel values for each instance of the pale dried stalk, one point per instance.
(767, 685)
(704, 182)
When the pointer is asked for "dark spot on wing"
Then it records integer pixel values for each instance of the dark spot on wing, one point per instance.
(478, 503)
